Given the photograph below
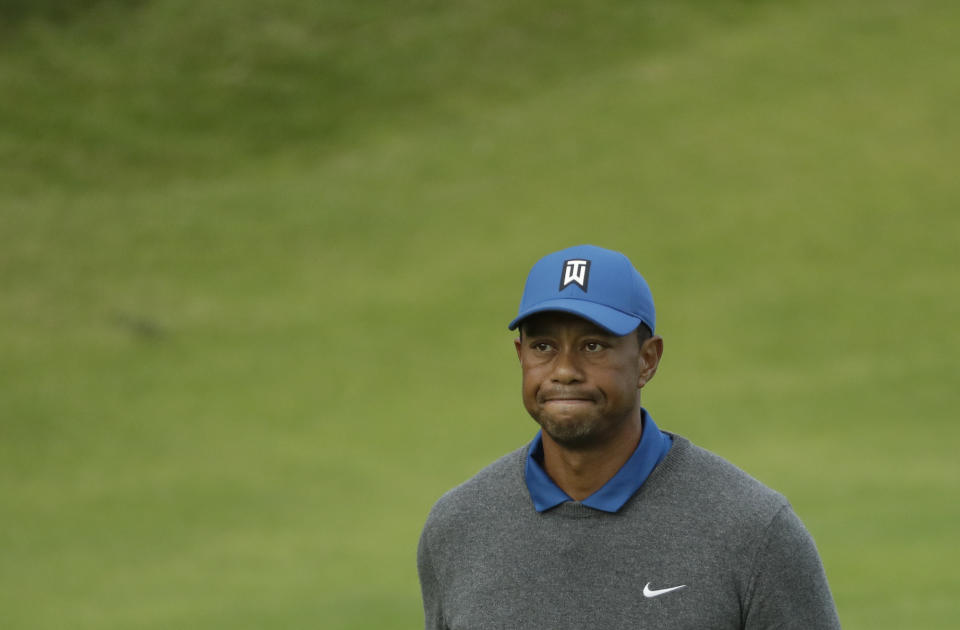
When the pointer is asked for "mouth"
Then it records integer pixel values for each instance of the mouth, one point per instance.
(568, 403)
(566, 399)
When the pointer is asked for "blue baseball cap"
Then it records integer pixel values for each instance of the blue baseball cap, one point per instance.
(597, 284)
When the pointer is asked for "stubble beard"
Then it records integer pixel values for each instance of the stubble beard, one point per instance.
(574, 435)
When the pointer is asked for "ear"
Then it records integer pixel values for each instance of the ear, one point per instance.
(649, 359)
(516, 343)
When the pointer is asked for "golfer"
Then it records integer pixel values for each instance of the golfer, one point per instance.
(604, 520)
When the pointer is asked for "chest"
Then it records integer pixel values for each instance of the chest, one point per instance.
(592, 575)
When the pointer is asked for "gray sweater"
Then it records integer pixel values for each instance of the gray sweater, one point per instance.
(488, 560)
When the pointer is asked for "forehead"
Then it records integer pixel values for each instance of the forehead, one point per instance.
(557, 322)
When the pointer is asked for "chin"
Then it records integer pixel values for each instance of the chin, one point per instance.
(571, 435)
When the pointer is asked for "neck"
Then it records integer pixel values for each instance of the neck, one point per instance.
(581, 472)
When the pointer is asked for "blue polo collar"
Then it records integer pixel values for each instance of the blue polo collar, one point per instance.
(653, 447)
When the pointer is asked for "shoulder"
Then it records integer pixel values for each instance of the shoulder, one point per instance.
(692, 465)
(497, 487)
(753, 532)
(713, 492)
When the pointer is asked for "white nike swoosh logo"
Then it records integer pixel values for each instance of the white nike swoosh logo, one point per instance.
(649, 592)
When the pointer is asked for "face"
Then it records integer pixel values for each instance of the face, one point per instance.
(580, 382)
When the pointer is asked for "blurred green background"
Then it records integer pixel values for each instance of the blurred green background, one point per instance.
(257, 261)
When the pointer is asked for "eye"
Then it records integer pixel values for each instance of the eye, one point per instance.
(593, 346)
(542, 346)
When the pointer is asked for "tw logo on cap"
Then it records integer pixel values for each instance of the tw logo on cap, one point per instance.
(575, 272)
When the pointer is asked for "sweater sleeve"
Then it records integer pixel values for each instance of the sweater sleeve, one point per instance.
(788, 587)
(429, 587)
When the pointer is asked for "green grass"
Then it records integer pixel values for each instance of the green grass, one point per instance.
(257, 265)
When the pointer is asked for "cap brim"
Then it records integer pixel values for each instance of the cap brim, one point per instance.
(617, 322)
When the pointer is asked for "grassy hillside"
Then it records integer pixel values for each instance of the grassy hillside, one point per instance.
(168, 88)
(257, 263)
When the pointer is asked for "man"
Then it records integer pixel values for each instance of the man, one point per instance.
(603, 520)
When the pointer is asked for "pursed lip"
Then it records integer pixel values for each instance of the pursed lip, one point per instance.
(566, 398)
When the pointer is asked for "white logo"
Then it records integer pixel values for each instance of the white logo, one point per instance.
(649, 592)
(575, 272)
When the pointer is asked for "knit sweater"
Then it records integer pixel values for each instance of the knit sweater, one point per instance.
(488, 560)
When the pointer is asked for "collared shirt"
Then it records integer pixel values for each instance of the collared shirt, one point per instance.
(653, 447)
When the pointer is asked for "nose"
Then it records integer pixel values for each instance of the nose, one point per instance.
(566, 368)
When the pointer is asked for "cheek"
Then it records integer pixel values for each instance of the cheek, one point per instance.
(620, 385)
(530, 384)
